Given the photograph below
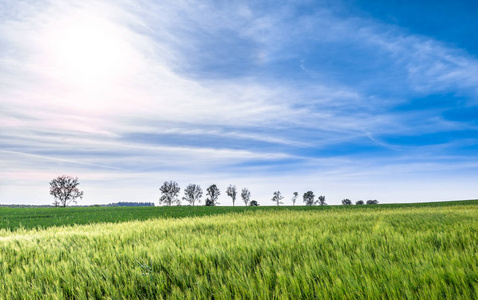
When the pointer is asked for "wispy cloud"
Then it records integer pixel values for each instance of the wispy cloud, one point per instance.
(58, 159)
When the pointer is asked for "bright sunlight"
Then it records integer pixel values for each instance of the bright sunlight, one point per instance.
(90, 52)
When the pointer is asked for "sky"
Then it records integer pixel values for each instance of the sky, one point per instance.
(348, 99)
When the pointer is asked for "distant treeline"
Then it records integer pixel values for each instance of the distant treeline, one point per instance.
(131, 204)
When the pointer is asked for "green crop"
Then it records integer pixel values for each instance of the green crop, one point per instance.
(383, 252)
(43, 217)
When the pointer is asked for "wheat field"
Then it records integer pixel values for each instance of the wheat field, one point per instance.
(386, 253)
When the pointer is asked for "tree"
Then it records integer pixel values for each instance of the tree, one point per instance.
(359, 202)
(246, 195)
(253, 203)
(192, 194)
(346, 202)
(65, 190)
(372, 201)
(212, 193)
(294, 198)
(232, 192)
(169, 193)
(309, 198)
(277, 198)
(322, 200)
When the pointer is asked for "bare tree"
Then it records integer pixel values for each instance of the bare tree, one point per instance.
(169, 190)
(346, 202)
(294, 198)
(322, 200)
(212, 193)
(65, 190)
(192, 194)
(277, 198)
(246, 195)
(232, 192)
(309, 198)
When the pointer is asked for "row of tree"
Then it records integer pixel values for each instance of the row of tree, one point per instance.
(65, 190)
(193, 193)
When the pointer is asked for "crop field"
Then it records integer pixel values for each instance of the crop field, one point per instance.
(371, 252)
(43, 217)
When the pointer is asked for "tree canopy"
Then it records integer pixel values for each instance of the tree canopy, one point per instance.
(294, 197)
(277, 198)
(65, 190)
(213, 194)
(309, 198)
(246, 195)
(169, 193)
(192, 194)
(232, 192)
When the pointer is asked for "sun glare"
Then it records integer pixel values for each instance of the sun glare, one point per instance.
(89, 52)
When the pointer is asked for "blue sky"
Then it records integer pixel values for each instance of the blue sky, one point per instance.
(349, 99)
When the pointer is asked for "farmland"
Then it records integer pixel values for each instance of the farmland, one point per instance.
(423, 251)
(43, 217)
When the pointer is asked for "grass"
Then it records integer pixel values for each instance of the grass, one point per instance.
(44, 217)
(380, 252)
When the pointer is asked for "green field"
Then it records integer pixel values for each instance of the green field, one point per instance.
(43, 217)
(425, 251)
